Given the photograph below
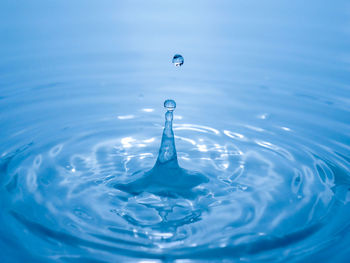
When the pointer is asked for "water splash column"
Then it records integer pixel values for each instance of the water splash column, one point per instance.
(167, 152)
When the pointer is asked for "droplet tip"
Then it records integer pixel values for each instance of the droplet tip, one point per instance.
(170, 105)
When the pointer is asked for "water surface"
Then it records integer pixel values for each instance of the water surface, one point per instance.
(262, 118)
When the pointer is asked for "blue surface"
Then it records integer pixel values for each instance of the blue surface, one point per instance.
(262, 119)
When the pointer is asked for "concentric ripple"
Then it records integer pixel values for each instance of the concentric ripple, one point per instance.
(261, 195)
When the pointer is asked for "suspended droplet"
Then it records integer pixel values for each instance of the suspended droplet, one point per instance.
(170, 105)
(178, 60)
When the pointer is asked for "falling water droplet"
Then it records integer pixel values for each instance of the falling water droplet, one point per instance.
(170, 105)
(178, 60)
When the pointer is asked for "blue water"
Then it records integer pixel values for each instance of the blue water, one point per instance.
(256, 163)
(166, 178)
(178, 60)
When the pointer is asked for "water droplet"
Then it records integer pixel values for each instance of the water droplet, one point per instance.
(170, 105)
(178, 60)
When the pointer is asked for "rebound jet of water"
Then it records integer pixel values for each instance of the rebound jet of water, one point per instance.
(166, 178)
